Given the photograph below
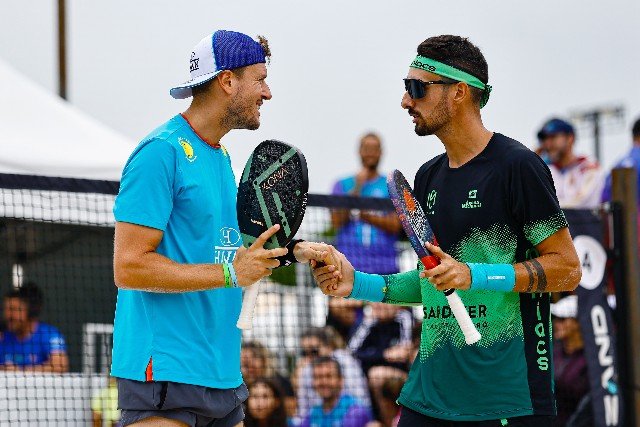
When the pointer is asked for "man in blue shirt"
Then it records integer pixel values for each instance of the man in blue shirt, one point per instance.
(337, 409)
(367, 238)
(28, 344)
(631, 160)
(179, 263)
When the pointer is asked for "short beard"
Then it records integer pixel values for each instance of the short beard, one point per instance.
(238, 114)
(441, 115)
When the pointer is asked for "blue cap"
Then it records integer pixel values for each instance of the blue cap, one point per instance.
(219, 51)
(555, 126)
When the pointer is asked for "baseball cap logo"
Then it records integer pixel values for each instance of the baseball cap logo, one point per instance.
(193, 62)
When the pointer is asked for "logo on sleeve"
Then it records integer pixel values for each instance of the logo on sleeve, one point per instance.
(472, 201)
(188, 150)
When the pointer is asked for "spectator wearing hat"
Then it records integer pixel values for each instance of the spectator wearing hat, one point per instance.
(631, 160)
(578, 179)
(570, 364)
(27, 343)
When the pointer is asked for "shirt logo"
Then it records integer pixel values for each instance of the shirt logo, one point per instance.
(431, 202)
(229, 236)
(472, 203)
(229, 243)
(188, 150)
(431, 199)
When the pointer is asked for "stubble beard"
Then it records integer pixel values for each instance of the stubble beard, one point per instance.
(440, 117)
(239, 113)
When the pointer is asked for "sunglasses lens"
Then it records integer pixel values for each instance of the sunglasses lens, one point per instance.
(415, 88)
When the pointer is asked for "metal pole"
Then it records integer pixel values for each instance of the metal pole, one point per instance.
(596, 135)
(62, 50)
(625, 191)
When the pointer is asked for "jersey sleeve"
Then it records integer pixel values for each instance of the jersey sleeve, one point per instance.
(147, 186)
(55, 342)
(403, 288)
(534, 203)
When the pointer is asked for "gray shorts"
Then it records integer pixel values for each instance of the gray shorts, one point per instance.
(191, 404)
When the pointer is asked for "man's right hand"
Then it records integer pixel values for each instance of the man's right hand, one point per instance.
(334, 280)
(253, 263)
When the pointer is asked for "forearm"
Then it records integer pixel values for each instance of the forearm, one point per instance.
(57, 363)
(388, 223)
(552, 272)
(397, 289)
(153, 272)
(403, 288)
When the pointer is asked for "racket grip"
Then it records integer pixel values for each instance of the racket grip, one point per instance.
(430, 261)
(245, 320)
(471, 334)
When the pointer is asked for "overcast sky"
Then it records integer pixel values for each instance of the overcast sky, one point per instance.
(337, 67)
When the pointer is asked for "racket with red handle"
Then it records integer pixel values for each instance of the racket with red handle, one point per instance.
(415, 225)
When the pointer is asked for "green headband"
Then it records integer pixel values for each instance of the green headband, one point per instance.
(444, 70)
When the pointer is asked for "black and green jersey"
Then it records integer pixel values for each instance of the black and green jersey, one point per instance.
(493, 209)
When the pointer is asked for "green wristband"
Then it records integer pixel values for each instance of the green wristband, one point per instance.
(227, 276)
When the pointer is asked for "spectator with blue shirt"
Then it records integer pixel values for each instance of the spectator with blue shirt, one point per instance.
(179, 263)
(631, 160)
(28, 344)
(337, 408)
(367, 238)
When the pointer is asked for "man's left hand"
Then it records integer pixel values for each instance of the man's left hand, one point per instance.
(450, 274)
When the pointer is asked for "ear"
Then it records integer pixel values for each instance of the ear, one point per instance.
(226, 81)
(462, 92)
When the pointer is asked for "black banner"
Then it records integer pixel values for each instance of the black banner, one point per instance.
(595, 318)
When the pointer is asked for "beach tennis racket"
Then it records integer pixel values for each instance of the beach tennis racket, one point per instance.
(415, 225)
(273, 190)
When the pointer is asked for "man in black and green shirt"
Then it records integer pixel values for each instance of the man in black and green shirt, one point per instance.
(504, 245)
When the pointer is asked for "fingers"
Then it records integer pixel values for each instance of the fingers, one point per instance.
(441, 268)
(312, 254)
(436, 250)
(275, 253)
(262, 239)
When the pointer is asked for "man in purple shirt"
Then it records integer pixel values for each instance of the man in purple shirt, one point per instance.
(336, 410)
(631, 160)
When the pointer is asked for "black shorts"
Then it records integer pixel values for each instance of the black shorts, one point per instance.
(191, 404)
(411, 418)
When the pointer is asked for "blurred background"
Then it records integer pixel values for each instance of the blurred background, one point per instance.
(337, 67)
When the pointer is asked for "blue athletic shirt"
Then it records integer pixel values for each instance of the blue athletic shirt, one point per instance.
(177, 183)
(33, 351)
(369, 248)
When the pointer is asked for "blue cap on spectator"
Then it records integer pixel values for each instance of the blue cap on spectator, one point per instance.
(555, 126)
(219, 51)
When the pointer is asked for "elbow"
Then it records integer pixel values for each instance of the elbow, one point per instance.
(124, 269)
(574, 273)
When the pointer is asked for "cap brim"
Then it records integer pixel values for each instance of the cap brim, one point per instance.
(184, 90)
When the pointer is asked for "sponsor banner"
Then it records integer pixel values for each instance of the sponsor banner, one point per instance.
(595, 318)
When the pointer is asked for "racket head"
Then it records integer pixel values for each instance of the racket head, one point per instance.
(414, 221)
(273, 190)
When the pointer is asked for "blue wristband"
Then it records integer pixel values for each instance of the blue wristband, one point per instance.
(493, 277)
(232, 271)
(368, 287)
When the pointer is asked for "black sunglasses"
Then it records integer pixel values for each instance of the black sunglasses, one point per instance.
(418, 89)
(313, 352)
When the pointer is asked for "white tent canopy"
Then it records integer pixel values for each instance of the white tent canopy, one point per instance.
(45, 135)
